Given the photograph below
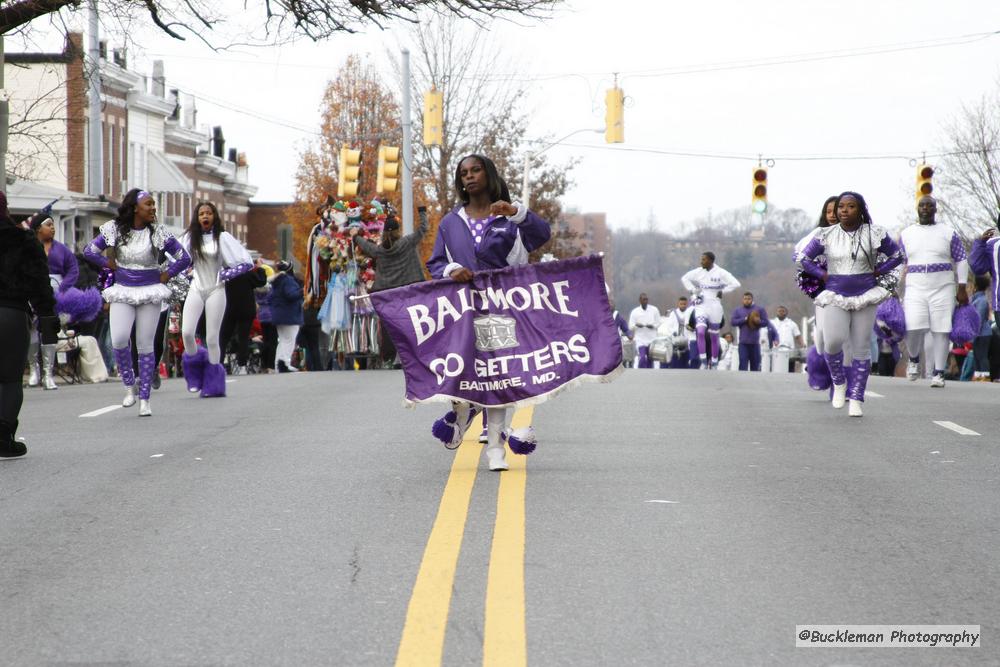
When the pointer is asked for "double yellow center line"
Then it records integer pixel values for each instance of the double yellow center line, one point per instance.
(504, 637)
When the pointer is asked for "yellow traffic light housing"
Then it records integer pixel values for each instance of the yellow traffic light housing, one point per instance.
(388, 169)
(348, 172)
(614, 116)
(925, 173)
(759, 199)
(433, 118)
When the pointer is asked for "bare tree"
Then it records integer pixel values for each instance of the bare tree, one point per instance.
(969, 174)
(482, 114)
(279, 19)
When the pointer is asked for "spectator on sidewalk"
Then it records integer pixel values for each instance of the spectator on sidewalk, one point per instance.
(981, 345)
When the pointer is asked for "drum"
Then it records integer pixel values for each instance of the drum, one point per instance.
(661, 349)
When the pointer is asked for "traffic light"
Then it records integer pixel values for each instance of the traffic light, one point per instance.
(433, 118)
(759, 200)
(388, 169)
(614, 116)
(348, 171)
(925, 173)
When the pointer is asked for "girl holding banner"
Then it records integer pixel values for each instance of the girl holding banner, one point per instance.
(485, 232)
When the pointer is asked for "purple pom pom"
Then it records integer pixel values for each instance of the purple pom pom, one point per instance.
(522, 441)
(444, 428)
(105, 279)
(810, 285)
(817, 372)
(964, 324)
(79, 305)
(890, 320)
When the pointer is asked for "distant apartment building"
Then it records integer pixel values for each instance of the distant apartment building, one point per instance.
(150, 140)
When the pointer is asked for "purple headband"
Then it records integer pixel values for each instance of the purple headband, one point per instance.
(142, 195)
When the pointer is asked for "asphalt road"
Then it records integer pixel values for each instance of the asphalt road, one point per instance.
(670, 517)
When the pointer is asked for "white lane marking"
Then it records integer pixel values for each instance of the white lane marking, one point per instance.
(665, 502)
(947, 461)
(156, 456)
(952, 426)
(230, 381)
(102, 411)
(874, 393)
(935, 452)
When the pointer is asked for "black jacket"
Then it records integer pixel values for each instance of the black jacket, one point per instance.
(240, 302)
(24, 271)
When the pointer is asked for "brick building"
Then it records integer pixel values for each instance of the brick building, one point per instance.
(150, 140)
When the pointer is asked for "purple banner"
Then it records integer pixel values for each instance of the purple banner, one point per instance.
(510, 337)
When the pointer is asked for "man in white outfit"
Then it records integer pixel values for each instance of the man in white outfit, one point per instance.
(936, 271)
(707, 284)
(644, 321)
(789, 338)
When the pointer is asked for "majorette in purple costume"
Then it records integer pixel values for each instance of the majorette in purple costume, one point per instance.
(138, 287)
(817, 372)
(216, 256)
(854, 251)
(486, 232)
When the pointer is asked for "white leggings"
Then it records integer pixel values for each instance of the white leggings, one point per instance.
(940, 346)
(145, 318)
(214, 307)
(286, 342)
(853, 327)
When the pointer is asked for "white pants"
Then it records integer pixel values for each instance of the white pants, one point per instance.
(145, 318)
(929, 308)
(213, 304)
(286, 342)
(848, 328)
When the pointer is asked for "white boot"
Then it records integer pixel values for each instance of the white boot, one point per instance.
(144, 410)
(49, 366)
(129, 399)
(839, 395)
(35, 372)
(854, 408)
(496, 452)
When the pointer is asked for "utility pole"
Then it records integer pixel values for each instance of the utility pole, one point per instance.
(95, 138)
(407, 221)
(4, 124)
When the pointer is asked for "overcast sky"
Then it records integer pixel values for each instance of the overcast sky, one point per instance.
(889, 103)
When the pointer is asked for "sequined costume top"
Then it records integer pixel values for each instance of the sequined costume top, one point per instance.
(137, 272)
(855, 261)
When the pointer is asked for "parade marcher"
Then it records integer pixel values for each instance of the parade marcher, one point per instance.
(486, 231)
(139, 286)
(397, 263)
(981, 345)
(241, 309)
(852, 292)
(789, 337)
(810, 285)
(72, 304)
(682, 335)
(216, 257)
(749, 318)
(25, 290)
(644, 320)
(936, 271)
(286, 314)
(707, 284)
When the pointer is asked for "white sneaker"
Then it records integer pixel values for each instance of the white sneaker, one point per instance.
(144, 410)
(496, 456)
(854, 409)
(912, 371)
(839, 395)
(483, 439)
(937, 380)
(129, 399)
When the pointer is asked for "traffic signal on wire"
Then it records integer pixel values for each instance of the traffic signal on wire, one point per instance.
(925, 173)
(348, 172)
(433, 118)
(759, 199)
(614, 116)
(388, 169)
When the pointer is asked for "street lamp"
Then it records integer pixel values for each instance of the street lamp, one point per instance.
(525, 190)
